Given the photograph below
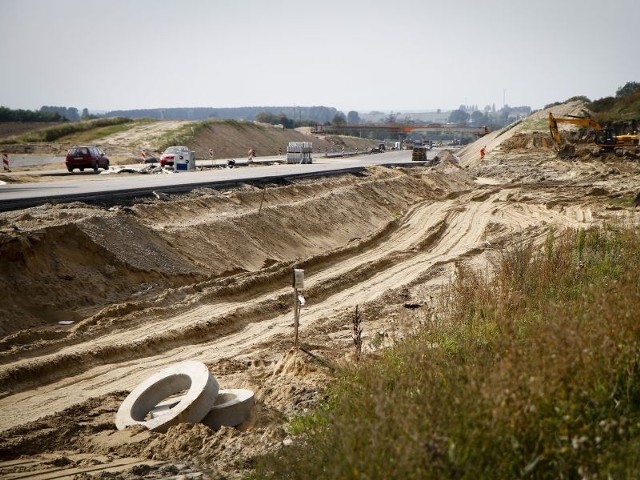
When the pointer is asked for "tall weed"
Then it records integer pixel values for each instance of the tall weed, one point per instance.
(531, 373)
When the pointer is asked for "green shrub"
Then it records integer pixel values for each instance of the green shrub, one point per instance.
(532, 373)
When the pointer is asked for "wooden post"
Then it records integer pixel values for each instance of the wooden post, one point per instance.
(298, 284)
(296, 317)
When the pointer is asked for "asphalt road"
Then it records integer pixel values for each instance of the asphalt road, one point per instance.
(115, 187)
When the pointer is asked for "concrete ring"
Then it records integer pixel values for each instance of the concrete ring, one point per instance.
(193, 406)
(231, 408)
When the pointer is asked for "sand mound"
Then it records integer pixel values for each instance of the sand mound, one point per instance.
(527, 141)
(88, 258)
(207, 276)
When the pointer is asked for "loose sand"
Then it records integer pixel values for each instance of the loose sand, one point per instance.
(206, 276)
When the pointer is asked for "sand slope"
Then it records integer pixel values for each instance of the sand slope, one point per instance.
(207, 277)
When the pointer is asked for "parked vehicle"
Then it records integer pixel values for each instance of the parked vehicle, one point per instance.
(379, 149)
(176, 154)
(86, 156)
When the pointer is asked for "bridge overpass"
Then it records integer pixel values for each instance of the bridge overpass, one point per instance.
(400, 129)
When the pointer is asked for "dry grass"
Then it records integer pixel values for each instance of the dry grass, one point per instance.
(62, 130)
(532, 373)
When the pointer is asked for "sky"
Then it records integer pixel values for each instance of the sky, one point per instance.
(362, 55)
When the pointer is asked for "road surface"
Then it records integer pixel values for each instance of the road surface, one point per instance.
(108, 186)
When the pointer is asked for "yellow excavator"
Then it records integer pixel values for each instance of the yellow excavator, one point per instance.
(605, 139)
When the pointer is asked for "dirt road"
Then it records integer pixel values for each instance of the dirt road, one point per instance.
(207, 277)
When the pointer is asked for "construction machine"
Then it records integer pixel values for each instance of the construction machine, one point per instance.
(604, 137)
(629, 142)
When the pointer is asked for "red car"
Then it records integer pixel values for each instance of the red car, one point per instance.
(86, 156)
(173, 154)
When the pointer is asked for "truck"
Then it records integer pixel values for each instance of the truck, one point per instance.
(380, 148)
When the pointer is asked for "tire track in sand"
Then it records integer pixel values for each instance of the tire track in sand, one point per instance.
(465, 222)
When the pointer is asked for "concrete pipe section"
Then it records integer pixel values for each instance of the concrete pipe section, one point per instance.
(192, 407)
(232, 407)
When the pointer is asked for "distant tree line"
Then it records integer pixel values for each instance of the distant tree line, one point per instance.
(625, 103)
(289, 117)
(9, 115)
(628, 89)
(273, 119)
(294, 115)
(45, 114)
(67, 113)
(489, 117)
(626, 98)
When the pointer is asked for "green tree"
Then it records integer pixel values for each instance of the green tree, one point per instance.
(285, 121)
(267, 117)
(8, 115)
(478, 118)
(339, 119)
(70, 113)
(458, 116)
(602, 104)
(353, 118)
(273, 119)
(628, 89)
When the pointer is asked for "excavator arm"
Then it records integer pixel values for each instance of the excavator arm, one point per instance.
(605, 137)
(553, 129)
(586, 122)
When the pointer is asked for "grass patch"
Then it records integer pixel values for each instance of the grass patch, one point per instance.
(65, 129)
(180, 136)
(538, 125)
(91, 136)
(533, 372)
(623, 201)
(185, 134)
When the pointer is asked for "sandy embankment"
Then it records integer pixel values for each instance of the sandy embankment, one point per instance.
(207, 277)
